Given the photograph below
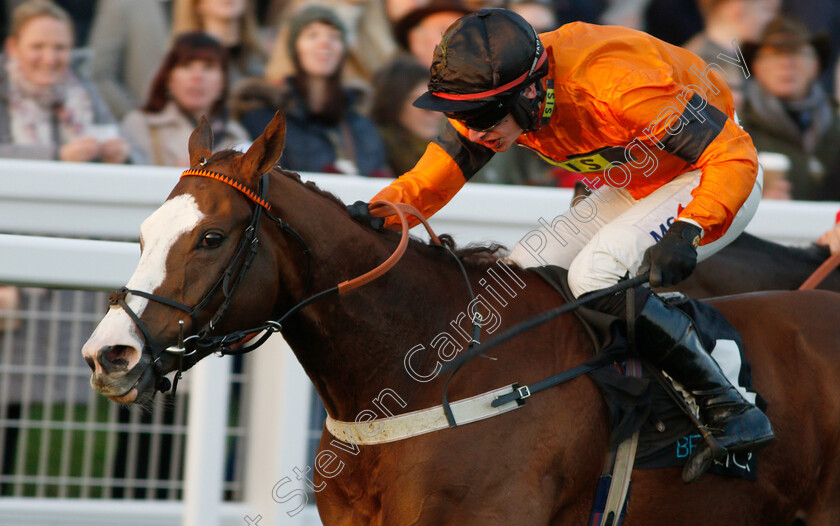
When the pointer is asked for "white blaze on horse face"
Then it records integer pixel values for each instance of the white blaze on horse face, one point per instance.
(160, 231)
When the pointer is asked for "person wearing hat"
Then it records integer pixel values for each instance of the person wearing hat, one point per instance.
(788, 112)
(726, 23)
(325, 132)
(370, 43)
(651, 126)
(419, 30)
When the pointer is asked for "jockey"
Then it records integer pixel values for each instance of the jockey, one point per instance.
(673, 176)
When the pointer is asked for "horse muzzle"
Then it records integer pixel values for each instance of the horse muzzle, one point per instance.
(120, 372)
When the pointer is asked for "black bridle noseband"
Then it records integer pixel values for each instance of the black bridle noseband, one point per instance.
(228, 282)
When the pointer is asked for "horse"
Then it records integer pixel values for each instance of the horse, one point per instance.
(750, 264)
(538, 464)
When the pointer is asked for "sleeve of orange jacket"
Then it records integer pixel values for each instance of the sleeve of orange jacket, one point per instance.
(684, 123)
(448, 163)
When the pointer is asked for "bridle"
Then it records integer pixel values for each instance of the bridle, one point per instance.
(232, 343)
(228, 282)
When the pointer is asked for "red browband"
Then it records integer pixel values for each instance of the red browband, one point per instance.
(496, 91)
(227, 180)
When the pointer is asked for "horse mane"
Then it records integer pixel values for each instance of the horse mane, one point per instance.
(473, 255)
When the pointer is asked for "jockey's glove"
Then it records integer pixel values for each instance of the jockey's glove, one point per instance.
(360, 211)
(672, 259)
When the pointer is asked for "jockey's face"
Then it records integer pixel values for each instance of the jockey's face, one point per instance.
(498, 138)
(501, 136)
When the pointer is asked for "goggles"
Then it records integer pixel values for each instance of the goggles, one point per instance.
(485, 118)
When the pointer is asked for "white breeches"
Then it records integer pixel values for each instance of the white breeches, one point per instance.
(604, 236)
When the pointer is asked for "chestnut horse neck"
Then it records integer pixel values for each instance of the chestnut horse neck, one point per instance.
(352, 346)
(340, 340)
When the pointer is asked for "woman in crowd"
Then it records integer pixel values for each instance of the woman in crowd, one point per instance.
(192, 82)
(368, 38)
(418, 31)
(232, 22)
(786, 111)
(324, 130)
(405, 130)
(46, 110)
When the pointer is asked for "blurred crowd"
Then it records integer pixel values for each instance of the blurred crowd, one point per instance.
(125, 81)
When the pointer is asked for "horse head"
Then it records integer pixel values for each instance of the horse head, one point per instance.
(195, 251)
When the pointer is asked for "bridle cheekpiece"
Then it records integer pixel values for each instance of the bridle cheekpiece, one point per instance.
(228, 282)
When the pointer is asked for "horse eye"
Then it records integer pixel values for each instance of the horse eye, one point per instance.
(212, 239)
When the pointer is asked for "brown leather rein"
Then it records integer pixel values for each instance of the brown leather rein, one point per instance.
(382, 208)
(233, 343)
(822, 272)
(379, 208)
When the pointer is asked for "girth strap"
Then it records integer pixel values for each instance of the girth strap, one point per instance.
(523, 392)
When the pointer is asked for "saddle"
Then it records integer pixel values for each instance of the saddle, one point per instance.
(667, 437)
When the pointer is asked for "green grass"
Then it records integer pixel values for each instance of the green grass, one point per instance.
(29, 445)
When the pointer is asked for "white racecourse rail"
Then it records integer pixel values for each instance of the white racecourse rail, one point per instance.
(75, 225)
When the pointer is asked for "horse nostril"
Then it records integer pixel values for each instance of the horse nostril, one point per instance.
(90, 363)
(114, 358)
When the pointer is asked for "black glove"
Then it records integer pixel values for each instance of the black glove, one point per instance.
(672, 259)
(360, 211)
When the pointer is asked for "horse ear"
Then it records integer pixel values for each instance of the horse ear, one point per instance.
(264, 153)
(201, 143)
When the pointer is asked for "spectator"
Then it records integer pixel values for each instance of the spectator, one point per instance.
(539, 13)
(128, 41)
(831, 238)
(268, 11)
(475, 5)
(232, 22)
(79, 11)
(370, 44)
(627, 13)
(419, 31)
(46, 110)
(727, 21)
(405, 130)
(674, 21)
(820, 16)
(192, 82)
(324, 130)
(396, 9)
(4, 24)
(788, 112)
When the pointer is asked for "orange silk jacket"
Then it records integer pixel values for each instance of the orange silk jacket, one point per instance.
(625, 107)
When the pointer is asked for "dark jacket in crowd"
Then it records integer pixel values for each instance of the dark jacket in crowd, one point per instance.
(311, 145)
(807, 132)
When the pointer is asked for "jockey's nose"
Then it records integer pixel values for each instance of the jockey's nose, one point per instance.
(475, 136)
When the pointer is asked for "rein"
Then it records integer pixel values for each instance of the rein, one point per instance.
(822, 272)
(379, 208)
(230, 279)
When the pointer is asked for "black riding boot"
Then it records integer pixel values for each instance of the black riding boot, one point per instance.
(666, 337)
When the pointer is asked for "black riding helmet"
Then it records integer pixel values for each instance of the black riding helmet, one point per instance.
(482, 65)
